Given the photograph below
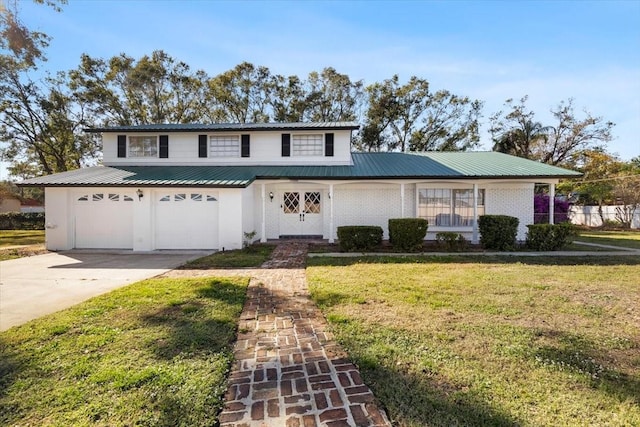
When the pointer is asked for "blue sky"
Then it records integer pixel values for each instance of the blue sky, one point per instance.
(549, 50)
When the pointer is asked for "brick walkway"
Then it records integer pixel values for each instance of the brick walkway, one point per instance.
(288, 369)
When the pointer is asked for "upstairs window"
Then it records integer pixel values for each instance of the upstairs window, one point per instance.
(224, 146)
(307, 145)
(447, 207)
(143, 146)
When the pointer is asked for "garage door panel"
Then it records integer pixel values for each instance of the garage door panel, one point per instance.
(104, 220)
(186, 220)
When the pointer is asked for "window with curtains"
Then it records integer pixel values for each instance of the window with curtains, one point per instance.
(143, 146)
(447, 207)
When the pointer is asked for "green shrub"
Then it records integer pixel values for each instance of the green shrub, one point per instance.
(550, 237)
(498, 232)
(611, 223)
(22, 221)
(359, 237)
(407, 234)
(451, 241)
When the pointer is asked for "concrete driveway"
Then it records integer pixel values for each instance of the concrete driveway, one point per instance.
(34, 286)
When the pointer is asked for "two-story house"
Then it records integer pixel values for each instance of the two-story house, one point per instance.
(197, 186)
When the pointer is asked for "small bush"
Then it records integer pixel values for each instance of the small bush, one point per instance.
(407, 234)
(451, 241)
(359, 237)
(611, 223)
(549, 237)
(22, 221)
(498, 232)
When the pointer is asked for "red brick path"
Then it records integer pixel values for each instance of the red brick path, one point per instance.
(288, 369)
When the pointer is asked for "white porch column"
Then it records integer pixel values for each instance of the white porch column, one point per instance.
(474, 235)
(263, 234)
(331, 239)
(402, 200)
(552, 198)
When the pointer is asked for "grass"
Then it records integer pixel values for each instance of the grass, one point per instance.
(21, 237)
(494, 341)
(627, 239)
(153, 353)
(33, 238)
(253, 256)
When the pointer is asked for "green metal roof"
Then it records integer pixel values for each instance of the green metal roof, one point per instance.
(432, 165)
(225, 127)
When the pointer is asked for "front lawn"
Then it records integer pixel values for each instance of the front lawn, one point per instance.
(253, 256)
(33, 239)
(21, 237)
(153, 353)
(490, 341)
(627, 239)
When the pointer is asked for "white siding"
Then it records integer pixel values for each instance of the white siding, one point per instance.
(250, 210)
(265, 150)
(230, 218)
(511, 199)
(58, 219)
(367, 204)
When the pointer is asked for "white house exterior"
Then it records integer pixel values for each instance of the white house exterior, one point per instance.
(205, 186)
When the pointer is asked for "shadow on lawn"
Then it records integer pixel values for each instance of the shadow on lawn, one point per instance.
(195, 326)
(417, 400)
(10, 368)
(578, 354)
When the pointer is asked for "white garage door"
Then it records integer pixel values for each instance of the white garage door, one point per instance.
(186, 220)
(104, 220)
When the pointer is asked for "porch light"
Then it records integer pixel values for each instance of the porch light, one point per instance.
(140, 194)
(271, 195)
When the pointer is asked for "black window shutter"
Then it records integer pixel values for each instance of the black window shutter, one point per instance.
(328, 144)
(122, 145)
(245, 149)
(202, 145)
(286, 145)
(164, 146)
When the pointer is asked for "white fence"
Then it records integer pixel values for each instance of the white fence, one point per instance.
(28, 209)
(589, 216)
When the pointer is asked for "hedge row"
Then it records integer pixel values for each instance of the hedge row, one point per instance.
(359, 237)
(407, 234)
(451, 241)
(22, 221)
(498, 232)
(550, 237)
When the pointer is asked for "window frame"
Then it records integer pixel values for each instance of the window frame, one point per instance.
(214, 153)
(453, 208)
(131, 154)
(295, 144)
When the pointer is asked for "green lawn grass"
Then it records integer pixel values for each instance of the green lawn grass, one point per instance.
(490, 341)
(153, 353)
(253, 256)
(21, 237)
(628, 239)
